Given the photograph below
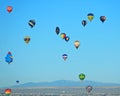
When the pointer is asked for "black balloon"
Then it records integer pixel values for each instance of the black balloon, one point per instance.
(102, 18)
(67, 38)
(31, 23)
(57, 30)
(84, 22)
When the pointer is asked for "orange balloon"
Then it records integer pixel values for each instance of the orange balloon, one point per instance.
(8, 91)
(9, 9)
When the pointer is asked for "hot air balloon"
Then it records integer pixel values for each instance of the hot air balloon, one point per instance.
(89, 88)
(57, 30)
(65, 56)
(31, 23)
(9, 58)
(8, 91)
(90, 16)
(17, 81)
(67, 38)
(63, 35)
(102, 18)
(9, 9)
(27, 39)
(81, 76)
(76, 44)
(84, 22)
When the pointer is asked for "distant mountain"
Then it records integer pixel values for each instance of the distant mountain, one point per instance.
(64, 83)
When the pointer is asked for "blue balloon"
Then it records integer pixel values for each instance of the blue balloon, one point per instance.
(17, 81)
(9, 58)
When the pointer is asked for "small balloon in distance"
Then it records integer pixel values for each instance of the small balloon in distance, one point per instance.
(27, 39)
(84, 22)
(67, 38)
(90, 16)
(89, 88)
(81, 76)
(9, 8)
(31, 23)
(77, 44)
(9, 58)
(102, 18)
(8, 91)
(65, 56)
(57, 30)
(63, 35)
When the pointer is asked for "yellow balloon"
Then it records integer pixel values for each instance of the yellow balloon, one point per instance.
(27, 39)
(90, 16)
(62, 35)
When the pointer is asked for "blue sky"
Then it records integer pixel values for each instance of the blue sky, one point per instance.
(41, 60)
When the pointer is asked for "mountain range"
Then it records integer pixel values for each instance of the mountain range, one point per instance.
(64, 83)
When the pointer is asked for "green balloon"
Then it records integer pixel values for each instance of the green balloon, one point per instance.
(82, 76)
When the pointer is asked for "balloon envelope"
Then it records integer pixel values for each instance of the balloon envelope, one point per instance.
(31, 23)
(76, 44)
(65, 56)
(89, 88)
(84, 22)
(81, 76)
(63, 35)
(8, 91)
(17, 81)
(27, 39)
(9, 58)
(102, 18)
(9, 9)
(57, 30)
(67, 38)
(90, 16)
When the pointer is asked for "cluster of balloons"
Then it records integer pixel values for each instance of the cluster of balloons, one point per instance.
(88, 88)
(62, 35)
(90, 17)
(31, 23)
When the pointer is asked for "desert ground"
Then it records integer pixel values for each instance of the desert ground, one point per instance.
(63, 91)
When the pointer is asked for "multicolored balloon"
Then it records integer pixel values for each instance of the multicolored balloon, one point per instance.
(89, 88)
(9, 58)
(8, 91)
(57, 30)
(67, 38)
(65, 56)
(9, 9)
(102, 18)
(81, 76)
(63, 35)
(84, 22)
(27, 39)
(90, 16)
(76, 44)
(31, 23)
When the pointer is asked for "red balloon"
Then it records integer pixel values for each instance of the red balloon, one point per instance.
(9, 9)
(8, 91)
